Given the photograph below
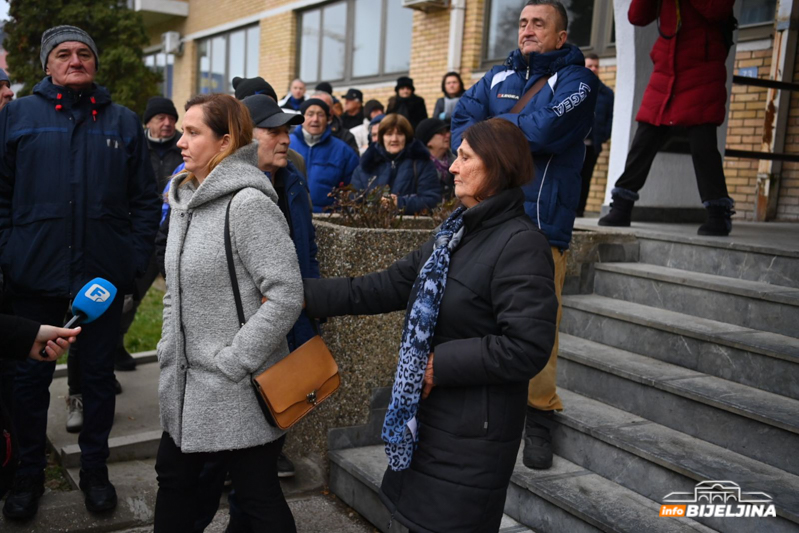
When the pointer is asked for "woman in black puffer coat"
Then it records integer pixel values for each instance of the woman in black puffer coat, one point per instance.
(494, 331)
(401, 162)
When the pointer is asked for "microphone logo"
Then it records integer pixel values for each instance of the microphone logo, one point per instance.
(97, 293)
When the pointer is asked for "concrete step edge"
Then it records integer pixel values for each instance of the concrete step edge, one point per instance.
(141, 358)
(705, 459)
(725, 243)
(124, 448)
(664, 320)
(748, 289)
(737, 399)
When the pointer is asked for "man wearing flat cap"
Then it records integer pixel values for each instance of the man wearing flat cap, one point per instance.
(78, 200)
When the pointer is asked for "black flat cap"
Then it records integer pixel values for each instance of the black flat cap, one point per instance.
(266, 113)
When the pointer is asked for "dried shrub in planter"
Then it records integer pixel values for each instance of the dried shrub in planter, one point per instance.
(370, 208)
(442, 211)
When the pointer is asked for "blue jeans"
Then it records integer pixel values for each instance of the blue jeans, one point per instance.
(97, 343)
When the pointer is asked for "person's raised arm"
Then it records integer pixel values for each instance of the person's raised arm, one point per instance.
(642, 12)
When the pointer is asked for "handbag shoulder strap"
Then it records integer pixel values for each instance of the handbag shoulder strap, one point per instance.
(415, 178)
(526, 97)
(234, 282)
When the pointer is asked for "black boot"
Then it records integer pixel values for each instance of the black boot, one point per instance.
(621, 212)
(537, 451)
(23, 500)
(100, 494)
(719, 220)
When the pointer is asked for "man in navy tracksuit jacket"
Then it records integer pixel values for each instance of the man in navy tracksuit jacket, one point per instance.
(78, 200)
(555, 121)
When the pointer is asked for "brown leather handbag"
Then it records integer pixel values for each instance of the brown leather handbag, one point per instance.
(295, 385)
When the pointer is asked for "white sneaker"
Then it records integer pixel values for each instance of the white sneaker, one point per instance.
(74, 413)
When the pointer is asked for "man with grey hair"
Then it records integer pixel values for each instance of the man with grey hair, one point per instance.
(544, 89)
(336, 127)
(78, 200)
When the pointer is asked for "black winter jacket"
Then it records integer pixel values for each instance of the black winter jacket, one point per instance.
(495, 331)
(413, 108)
(77, 192)
(165, 158)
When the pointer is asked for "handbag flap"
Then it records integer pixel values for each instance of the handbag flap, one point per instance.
(300, 373)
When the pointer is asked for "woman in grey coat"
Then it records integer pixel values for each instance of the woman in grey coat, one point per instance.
(209, 411)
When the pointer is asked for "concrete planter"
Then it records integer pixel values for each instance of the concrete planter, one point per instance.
(366, 347)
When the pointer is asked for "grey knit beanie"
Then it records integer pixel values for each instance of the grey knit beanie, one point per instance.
(61, 34)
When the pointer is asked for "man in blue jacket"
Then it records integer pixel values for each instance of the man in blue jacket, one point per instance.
(328, 160)
(78, 200)
(555, 119)
(600, 133)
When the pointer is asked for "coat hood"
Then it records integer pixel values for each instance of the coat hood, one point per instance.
(236, 172)
(376, 155)
(548, 63)
(47, 89)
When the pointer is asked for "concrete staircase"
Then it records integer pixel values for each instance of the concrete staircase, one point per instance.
(679, 368)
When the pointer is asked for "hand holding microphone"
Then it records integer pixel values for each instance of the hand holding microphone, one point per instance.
(52, 342)
(92, 300)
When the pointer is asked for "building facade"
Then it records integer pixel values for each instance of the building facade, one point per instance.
(200, 45)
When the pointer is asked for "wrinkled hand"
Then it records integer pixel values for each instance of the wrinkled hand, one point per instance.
(428, 378)
(389, 200)
(55, 342)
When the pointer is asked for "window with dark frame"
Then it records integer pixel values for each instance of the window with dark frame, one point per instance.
(163, 64)
(354, 41)
(225, 56)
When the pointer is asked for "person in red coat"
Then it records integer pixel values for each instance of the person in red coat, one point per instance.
(686, 93)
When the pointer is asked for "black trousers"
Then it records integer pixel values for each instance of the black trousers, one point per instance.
(586, 174)
(704, 153)
(253, 471)
(97, 342)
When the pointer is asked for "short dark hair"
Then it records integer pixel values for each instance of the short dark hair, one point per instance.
(557, 6)
(505, 153)
(592, 56)
(394, 121)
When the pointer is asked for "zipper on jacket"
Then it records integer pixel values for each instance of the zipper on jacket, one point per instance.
(528, 73)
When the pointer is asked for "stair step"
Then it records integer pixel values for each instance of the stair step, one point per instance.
(654, 460)
(767, 361)
(355, 477)
(754, 251)
(751, 304)
(755, 423)
(567, 497)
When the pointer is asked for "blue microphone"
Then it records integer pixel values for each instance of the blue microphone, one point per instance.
(91, 302)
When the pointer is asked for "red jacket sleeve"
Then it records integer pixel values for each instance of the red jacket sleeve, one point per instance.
(642, 12)
(713, 10)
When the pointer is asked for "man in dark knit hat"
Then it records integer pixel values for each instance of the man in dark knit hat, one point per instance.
(78, 202)
(407, 103)
(160, 118)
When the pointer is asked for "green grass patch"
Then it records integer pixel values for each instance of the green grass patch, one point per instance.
(145, 332)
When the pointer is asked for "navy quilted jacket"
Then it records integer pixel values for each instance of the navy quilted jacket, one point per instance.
(556, 122)
(78, 195)
(415, 192)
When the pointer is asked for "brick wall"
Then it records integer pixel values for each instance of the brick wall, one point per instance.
(788, 205)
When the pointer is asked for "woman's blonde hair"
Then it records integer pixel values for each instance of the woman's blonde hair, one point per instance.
(225, 116)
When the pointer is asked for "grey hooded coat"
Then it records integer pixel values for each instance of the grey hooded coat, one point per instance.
(207, 402)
